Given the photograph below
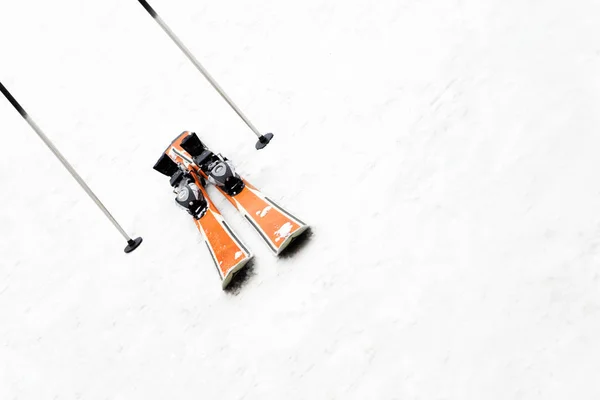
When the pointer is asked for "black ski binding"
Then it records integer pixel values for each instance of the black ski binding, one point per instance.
(188, 194)
(219, 171)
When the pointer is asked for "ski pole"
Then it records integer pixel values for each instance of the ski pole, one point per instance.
(132, 244)
(263, 140)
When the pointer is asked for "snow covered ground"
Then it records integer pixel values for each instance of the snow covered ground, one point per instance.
(445, 153)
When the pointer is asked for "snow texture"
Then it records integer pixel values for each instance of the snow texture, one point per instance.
(469, 128)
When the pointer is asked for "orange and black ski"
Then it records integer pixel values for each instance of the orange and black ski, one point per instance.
(274, 224)
(227, 251)
(277, 226)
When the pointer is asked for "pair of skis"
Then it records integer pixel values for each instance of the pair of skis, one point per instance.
(190, 165)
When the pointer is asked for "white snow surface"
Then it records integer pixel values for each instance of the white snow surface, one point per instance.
(444, 152)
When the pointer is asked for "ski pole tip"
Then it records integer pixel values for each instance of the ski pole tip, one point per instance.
(133, 244)
(263, 141)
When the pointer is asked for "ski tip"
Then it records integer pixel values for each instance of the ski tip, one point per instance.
(238, 275)
(263, 141)
(295, 242)
(133, 244)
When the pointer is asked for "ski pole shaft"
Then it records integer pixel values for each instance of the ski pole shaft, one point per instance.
(263, 139)
(131, 244)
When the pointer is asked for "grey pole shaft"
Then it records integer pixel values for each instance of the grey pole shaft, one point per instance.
(200, 68)
(131, 244)
(204, 72)
(76, 175)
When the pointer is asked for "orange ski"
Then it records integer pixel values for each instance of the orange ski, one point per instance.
(227, 251)
(275, 225)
